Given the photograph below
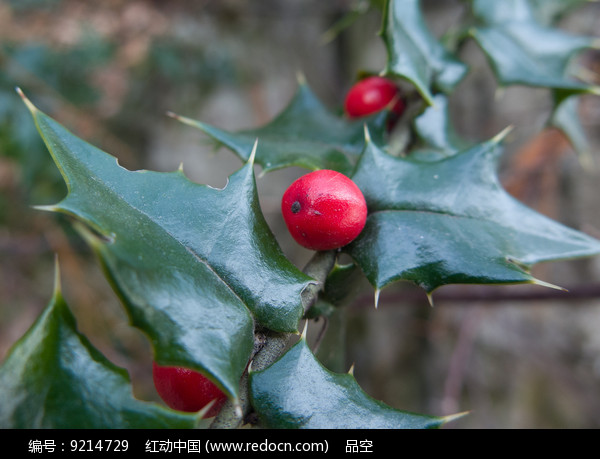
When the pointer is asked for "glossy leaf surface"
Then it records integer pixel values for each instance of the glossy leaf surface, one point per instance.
(414, 54)
(305, 134)
(194, 265)
(53, 378)
(297, 392)
(450, 221)
(523, 51)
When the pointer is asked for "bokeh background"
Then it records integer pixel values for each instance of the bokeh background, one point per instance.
(516, 357)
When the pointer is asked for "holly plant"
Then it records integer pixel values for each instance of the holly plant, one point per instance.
(201, 274)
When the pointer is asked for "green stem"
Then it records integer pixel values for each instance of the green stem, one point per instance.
(269, 346)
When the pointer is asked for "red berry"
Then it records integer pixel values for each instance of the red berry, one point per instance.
(371, 95)
(324, 210)
(186, 390)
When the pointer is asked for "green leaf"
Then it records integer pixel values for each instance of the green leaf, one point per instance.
(355, 11)
(297, 392)
(437, 136)
(305, 134)
(192, 264)
(450, 221)
(523, 51)
(493, 12)
(332, 339)
(342, 284)
(548, 12)
(54, 378)
(414, 54)
(566, 118)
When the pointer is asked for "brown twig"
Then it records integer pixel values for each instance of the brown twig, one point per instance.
(274, 344)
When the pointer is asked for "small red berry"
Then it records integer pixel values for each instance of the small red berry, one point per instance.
(371, 95)
(186, 390)
(324, 210)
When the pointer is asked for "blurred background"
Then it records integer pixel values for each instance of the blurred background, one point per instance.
(516, 357)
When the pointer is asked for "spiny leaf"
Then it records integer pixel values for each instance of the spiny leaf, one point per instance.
(414, 53)
(54, 378)
(566, 118)
(297, 392)
(523, 51)
(450, 221)
(437, 136)
(194, 265)
(305, 134)
(548, 12)
(341, 284)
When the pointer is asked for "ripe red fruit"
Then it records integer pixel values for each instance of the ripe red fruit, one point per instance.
(324, 210)
(371, 95)
(186, 390)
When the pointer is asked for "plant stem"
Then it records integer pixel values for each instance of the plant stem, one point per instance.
(269, 346)
(319, 267)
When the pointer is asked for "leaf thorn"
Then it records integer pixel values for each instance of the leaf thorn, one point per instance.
(28, 103)
(186, 120)
(454, 417)
(498, 138)
(57, 283)
(430, 298)
(367, 134)
(303, 335)
(300, 78)
(205, 409)
(376, 299)
(547, 284)
(253, 153)
(351, 370)
(46, 208)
